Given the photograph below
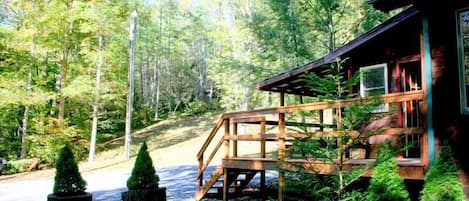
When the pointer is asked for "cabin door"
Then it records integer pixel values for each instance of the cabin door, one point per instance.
(411, 81)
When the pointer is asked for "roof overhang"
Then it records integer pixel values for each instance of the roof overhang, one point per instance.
(291, 82)
(388, 5)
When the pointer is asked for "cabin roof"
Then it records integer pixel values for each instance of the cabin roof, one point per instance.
(290, 82)
(388, 5)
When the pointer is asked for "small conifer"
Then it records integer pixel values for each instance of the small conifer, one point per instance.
(442, 181)
(68, 180)
(143, 174)
(386, 184)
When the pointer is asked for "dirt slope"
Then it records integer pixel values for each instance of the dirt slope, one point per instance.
(170, 142)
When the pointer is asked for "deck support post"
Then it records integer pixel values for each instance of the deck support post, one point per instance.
(263, 183)
(281, 148)
(225, 184)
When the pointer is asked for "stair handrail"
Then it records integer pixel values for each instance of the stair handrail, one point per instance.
(205, 164)
(200, 156)
(211, 136)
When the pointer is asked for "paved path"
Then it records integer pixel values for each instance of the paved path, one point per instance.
(179, 181)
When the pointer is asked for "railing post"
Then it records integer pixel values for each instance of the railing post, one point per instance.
(227, 138)
(281, 154)
(321, 120)
(201, 166)
(227, 155)
(263, 138)
(235, 140)
(281, 148)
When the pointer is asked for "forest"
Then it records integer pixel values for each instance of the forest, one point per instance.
(64, 63)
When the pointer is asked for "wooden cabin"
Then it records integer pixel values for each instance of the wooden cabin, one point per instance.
(420, 61)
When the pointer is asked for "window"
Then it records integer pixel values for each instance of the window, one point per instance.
(463, 46)
(374, 81)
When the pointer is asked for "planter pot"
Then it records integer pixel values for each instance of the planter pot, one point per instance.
(357, 153)
(83, 197)
(158, 194)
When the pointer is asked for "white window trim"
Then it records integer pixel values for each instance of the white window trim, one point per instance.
(385, 107)
(461, 68)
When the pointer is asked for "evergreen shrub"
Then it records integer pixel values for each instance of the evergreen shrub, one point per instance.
(386, 184)
(68, 180)
(143, 174)
(442, 181)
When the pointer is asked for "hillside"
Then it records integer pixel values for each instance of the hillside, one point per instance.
(171, 142)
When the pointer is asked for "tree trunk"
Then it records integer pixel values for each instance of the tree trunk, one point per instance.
(246, 92)
(157, 93)
(58, 88)
(94, 126)
(210, 93)
(130, 95)
(157, 69)
(168, 66)
(24, 127)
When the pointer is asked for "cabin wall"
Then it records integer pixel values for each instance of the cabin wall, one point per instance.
(400, 50)
(449, 124)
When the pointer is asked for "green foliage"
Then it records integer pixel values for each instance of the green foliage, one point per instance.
(302, 185)
(68, 180)
(334, 85)
(386, 184)
(196, 108)
(307, 186)
(51, 134)
(442, 180)
(357, 116)
(17, 166)
(196, 53)
(332, 149)
(386, 151)
(143, 174)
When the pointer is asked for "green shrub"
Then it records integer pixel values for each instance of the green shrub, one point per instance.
(18, 166)
(386, 184)
(442, 181)
(143, 174)
(51, 136)
(68, 180)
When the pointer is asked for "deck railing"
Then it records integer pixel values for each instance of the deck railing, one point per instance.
(258, 116)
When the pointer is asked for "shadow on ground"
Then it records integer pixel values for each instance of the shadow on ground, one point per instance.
(180, 183)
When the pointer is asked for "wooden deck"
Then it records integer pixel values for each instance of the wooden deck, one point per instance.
(409, 168)
(225, 139)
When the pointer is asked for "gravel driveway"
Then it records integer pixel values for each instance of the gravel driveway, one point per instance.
(179, 181)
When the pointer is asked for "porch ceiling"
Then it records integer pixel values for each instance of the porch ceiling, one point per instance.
(291, 82)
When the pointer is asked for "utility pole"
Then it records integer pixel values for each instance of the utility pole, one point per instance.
(130, 78)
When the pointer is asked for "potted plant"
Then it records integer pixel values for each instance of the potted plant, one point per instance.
(143, 182)
(358, 150)
(68, 185)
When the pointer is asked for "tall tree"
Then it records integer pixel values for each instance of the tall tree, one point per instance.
(94, 127)
(130, 95)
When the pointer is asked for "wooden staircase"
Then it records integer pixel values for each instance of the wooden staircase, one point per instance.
(237, 181)
(224, 182)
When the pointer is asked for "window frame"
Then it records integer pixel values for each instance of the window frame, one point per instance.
(384, 107)
(461, 68)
